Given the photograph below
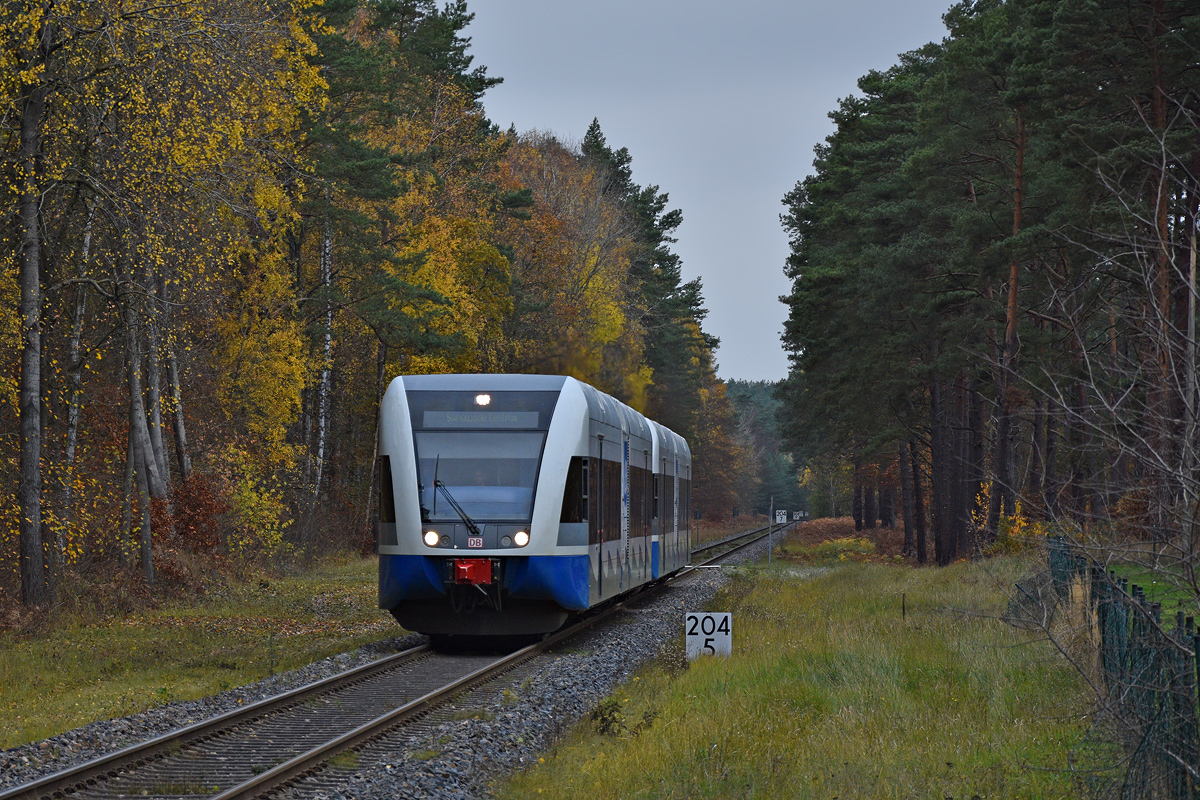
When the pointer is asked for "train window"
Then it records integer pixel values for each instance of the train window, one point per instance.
(654, 503)
(490, 474)
(387, 498)
(594, 510)
(685, 504)
(453, 410)
(574, 504)
(637, 501)
(648, 480)
(612, 500)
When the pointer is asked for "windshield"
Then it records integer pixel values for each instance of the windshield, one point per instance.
(491, 474)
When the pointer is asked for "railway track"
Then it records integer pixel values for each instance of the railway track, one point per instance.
(256, 750)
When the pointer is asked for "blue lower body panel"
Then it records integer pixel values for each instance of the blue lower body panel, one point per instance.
(563, 579)
(560, 579)
(654, 563)
(410, 578)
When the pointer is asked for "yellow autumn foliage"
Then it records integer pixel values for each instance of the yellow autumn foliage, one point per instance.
(262, 359)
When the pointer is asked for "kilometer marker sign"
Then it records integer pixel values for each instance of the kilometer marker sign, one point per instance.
(708, 633)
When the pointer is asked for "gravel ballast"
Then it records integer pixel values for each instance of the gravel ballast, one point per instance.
(452, 759)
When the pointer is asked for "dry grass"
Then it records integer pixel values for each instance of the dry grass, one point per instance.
(709, 530)
(70, 673)
(817, 539)
(831, 692)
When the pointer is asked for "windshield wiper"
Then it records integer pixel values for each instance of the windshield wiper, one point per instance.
(470, 523)
(437, 460)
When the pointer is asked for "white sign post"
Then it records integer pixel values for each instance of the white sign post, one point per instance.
(780, 516)
(708, 633)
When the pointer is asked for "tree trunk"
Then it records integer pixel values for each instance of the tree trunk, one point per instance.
(326, 360)
(32, 106)
(858, 500)
(1001, 495)
(66, 501)
(125, 546)
(1035, 486)
(978, 453)
(380, 379)
(1049, 477)
(887, 510)
(142, 462)
(941, 474)
(179, 427)
(154, 389)
(963, 471)
(870, 505)
(137, 411)
(1191, 460)
(906, 500)
(918, 504)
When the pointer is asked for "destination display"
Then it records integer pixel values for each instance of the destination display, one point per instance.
(481, 419)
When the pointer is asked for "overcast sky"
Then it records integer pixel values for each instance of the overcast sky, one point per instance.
(720, 105)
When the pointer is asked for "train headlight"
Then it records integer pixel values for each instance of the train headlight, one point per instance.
(521, 538)
(431, 538)
(482, 399)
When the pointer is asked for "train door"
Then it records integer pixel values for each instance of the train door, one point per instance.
(596, 474)
(678, 549)
(667, 538)
(625, 568)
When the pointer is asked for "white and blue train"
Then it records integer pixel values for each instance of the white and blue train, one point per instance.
(509, 502)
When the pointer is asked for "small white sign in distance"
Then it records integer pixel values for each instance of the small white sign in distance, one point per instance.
(796, 515)
(708, 633)
(780, 516)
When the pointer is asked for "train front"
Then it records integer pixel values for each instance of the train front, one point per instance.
(470, 496)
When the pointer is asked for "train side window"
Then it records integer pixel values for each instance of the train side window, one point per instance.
(594, 510)
(387, 498)
(654, 504)
(612, 500)
(575, 494)
(685, 504)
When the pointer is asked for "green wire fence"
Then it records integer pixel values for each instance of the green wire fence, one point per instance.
(1150, 675)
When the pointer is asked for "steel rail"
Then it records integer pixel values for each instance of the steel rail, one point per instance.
(108, 766)
(735, 537)
(318, 756)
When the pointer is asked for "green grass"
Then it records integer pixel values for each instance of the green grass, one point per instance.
(1161, 586)
(73, 673)
(831, 693)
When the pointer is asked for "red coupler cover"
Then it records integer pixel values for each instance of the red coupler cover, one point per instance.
(472, 570)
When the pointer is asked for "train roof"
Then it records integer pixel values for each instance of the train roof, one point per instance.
(483, 381)
(601, 406)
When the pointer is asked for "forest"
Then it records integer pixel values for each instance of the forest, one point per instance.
(993, 265)
(232, 223)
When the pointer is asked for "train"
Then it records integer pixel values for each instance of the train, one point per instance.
(509, 503)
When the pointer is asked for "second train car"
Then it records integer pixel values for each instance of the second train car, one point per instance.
(509, 502)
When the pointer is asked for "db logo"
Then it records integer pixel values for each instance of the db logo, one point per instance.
(474, 541)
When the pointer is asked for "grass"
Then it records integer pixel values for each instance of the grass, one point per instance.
(708, 530)
(1160, 586)
(833, 550)
(832, 693)
(72, 673)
